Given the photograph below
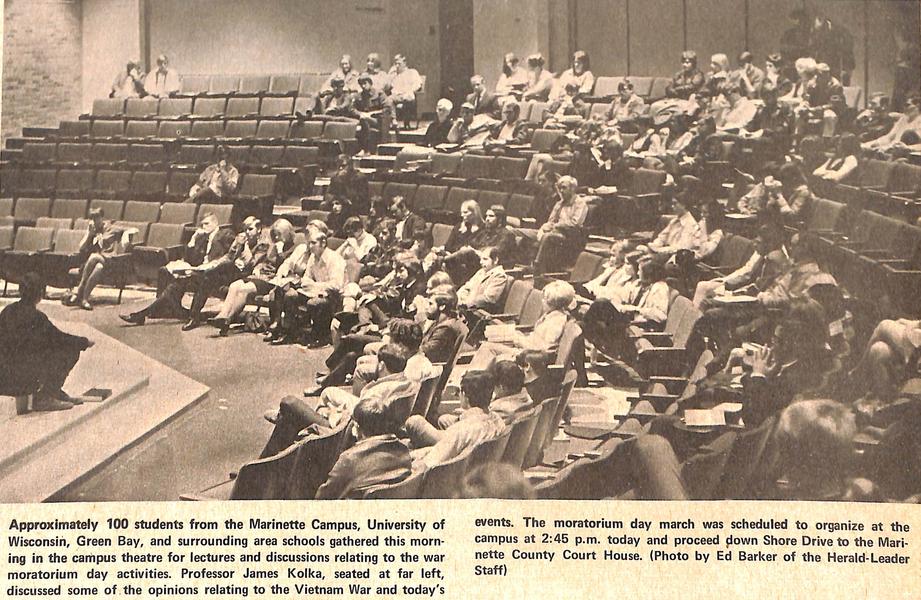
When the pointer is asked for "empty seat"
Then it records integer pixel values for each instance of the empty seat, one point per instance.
(180, 182)
(242, 130)
(267, 156)
(336, 130)
(429, 197)
(194, 84)
(237, 154)
(255, 84)
(108, 107)
(28, 210)
(108, 129)
(69, 208)
(642, 86)
(305, 105)
(74, 129)
(538, 112)
(74, 182)
(146, 154)
(24, 257)
(209, 108)
(285, 84)
(306, 130)
(111, 184)
(174, 108)
(224, 84)
(311, 83)
(53, 223)
(272, 130)
(242, 108)
(73, 153)
(148, 185)
(520, 206)
(300, 156)
(222, 212)
(257, 186)
(489, 198)
(456, 197)
(109, 154)
(544, 139)
(6, 207)
(277, 107)
(207, 129)
(142, 108)
(141, 211)
(36, 182)
(67, 241)
(406, 190)
(164, 243)
(445, 164)
(143, 228)
(657, 91)
(141, 129)
(111, 209)
(606, 86)
(195, 154)
(35, 153)
(506, 167)
(178, 213)
(174, 129)
(473, 166)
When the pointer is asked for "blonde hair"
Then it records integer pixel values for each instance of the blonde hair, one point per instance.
(559, 295)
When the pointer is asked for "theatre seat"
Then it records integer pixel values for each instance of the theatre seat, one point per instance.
(28, 210)
(111, 184)
(148, 212)
(68, 208)
(141, 108)
(175, 213)
(149, 186)
(111, 209)
(108, 107)
(242, 108)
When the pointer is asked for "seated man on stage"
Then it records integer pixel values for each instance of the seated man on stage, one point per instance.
(35, 356)
(103, 240)
(217, 182)
(208, 245)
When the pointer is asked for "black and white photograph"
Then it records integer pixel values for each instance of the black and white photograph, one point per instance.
(454, 249)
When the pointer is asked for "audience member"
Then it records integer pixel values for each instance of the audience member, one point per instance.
(345, 72)
(539, 80)
(163, 81)
(483, 102)
(437, 131)
(104, 240)
(578, 73)
(217, 182)
(128, 83)
(404, 84)
(513, 80)
(688, 80)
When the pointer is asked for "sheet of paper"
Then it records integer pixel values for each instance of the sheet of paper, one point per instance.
(704, 418)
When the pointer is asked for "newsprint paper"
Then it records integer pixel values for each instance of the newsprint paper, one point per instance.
(168, 296)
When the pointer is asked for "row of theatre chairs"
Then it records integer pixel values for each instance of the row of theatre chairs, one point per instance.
(154, 186)
(251, 131)
(189, 156)
(198, 108)
(29, 211)
(299, 470)
(887, 187)
(281, 84)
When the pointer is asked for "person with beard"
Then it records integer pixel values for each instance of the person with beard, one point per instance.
(348, 182)
(496, 233)
(374, 112)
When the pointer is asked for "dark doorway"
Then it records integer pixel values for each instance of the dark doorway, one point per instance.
(455, 19)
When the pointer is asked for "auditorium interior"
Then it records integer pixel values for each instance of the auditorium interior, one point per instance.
(522, 249)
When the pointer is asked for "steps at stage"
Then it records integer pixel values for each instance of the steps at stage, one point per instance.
(45, 453)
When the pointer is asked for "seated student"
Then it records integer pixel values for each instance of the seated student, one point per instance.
(437, 131)
(128, 83)
(606, 321)
(357, 245)
(874, 121)
(822, 100)
(442, 327)
(567, 111)
(378, 457)
(579, 73)
(338, 102)
(208, 245)
(512, 81)
(334, 405)
(346, 73)
(539, 80)
(483, 102)
(740, 112)
(163, 81)
(410, 227)
(476, 424)
(497, 234)
(485, 288)
(511, 399)
(511, 130)
(766, 262)
(248, 249)
(279, 248)
(688, 80)
(103, 240)
(374, 111)
(748, 77)
(626, 108)
(217, 182)
(682, 232)
(35, 356)
(711, 229)
(349, 183)
(340, 209)
(350, 348)
(615, 275)
(315, 280)
(890, 357)
(458, 255)
(403, 86)
(843, 163)
(764, 196)
(562, 236)
(539, 382)
(559, 299)
(462, 129)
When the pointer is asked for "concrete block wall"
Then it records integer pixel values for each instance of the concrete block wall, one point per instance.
(42, 66)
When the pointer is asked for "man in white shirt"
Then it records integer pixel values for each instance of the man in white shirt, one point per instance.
(163, 81)
(322, 283)
(404, 84)
(681, 233)
(562, 237)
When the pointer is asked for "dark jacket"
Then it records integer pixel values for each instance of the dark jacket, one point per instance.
(196, 253)
(437, 133)
(27, 337)
(438, 342)
(488, 104)
(415, 228)
(377, 460)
